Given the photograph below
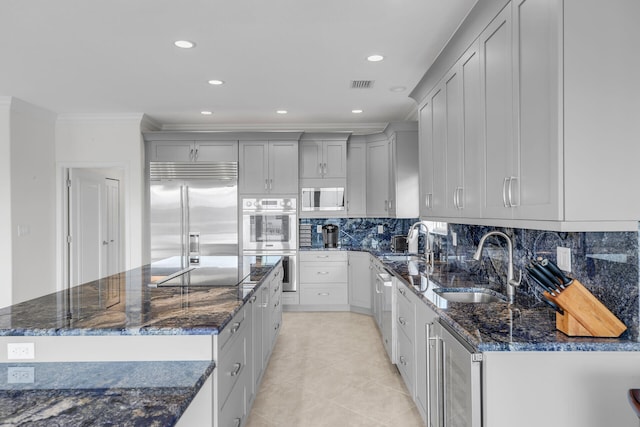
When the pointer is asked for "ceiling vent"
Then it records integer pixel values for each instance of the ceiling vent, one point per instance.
(361, 84)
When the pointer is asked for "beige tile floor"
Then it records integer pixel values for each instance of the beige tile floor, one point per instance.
(330, 369)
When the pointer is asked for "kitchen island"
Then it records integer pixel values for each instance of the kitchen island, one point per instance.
(155, 314)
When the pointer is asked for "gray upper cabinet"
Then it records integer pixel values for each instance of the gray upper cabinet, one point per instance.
(555, 137)
(268, 167)
(356, 178)
(501, 166)
(451, 144)
(323, 159)
(378, 179)
(193, 151)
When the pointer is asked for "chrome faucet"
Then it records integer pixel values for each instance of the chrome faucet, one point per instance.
(415, 228)
(511, 282)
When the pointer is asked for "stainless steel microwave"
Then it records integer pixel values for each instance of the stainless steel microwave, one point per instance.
(322, 199)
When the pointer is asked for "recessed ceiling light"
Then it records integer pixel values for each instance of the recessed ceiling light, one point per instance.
(281, 111)
(356, 111)
(375, 58)
(206, 113)
(398, 89)
(184, 44)
(216, 82)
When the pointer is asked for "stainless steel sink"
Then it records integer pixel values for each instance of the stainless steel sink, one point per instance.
(469, 295)
(404, 258)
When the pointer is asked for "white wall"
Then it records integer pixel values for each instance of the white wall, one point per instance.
(5, 202)
(114, 142)
(27, 192)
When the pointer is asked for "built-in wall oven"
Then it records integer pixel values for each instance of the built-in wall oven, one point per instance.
(270, 227)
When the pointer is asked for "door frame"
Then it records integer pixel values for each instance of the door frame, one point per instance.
(62, 214)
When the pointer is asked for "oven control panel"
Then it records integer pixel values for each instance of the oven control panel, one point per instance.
(278, 204)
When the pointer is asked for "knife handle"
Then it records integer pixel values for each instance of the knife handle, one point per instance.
(539, 279)
(553, 280)
(555, 270)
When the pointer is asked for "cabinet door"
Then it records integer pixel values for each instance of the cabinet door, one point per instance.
(469, 197)
(216, 151)
(501, 175)
(425, 148)
(171, 151)
(283, 167)
(536, 68)
(359, 280)
(357, 179)
(393, 162)
(334, 159)
(254, 167)
(311, 159)
(378, 179)
(439, 120)
(454, 147)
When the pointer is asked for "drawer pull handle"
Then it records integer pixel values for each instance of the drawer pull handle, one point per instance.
(323, 272)
(235, 327)
(402, 321)
(238, 368)
(238, 422)
(401, 291)
(403, 361)
(276, 327)
(322, 256)
(324, 294)
(276, 304)
(253, 299)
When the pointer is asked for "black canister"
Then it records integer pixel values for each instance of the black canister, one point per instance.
(330, 235)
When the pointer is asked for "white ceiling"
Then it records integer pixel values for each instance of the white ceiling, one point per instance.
(117, 56)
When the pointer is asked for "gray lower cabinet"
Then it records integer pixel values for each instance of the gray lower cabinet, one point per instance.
(324, 278)
(359, 282)
(244, 347)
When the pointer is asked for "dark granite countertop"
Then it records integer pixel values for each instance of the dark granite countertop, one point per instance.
(125, 304)
(100, 393)
(526, 325)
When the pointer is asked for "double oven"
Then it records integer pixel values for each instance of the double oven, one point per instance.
(269, 227)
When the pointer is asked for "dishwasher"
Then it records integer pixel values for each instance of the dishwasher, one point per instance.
(453, 379)
(384, 309)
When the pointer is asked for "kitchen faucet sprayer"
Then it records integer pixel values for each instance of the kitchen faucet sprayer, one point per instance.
(412, 241)
(511, 282)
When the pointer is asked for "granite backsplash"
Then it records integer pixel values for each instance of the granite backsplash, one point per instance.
(606, 263)
(361, 232)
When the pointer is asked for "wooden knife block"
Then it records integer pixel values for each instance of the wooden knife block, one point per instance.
(584, 315)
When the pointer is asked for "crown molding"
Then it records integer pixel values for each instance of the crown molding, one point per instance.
(352, 128)
(100, 118)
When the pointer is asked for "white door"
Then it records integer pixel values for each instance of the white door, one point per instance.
(94, 224)
(111, 256)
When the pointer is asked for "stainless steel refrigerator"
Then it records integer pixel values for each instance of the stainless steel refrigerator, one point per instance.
(193, 212)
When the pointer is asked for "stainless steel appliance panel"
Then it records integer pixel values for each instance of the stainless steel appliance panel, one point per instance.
(193, 211)
(166, 221)
(213, 213)
(269, 225)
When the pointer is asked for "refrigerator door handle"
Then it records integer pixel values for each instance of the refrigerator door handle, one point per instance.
(182, 225)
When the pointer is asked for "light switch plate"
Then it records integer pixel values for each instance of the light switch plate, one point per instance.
(564, 259)
(454, 238)
(318, 229)
(380, 229)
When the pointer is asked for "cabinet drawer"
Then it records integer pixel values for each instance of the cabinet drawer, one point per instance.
(232, 412)
(405, 361)
(322, 256)
(232, 365)
(323, 272)
(324, 294)
(233, 328)
(406, 314)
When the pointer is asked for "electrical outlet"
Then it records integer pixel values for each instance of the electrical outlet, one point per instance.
(564, 259)
(381, 229)
(454, 238)
(318, 229)
(22, 350)
(21, 375)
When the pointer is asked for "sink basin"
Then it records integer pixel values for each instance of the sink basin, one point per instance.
(469, 295)
(403, 258)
